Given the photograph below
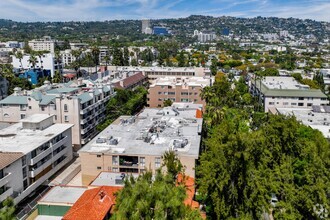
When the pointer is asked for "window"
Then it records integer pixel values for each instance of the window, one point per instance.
(66, 118)
(171, 93)
(142, 161)
(157, 162)
(301, 98)
(22, 116)
(30, 107)
(293, 103)
(6, 115)
(300, 104)
(24, 173)
(98, 155)
(184, 100)
(285, 103)
(159, 93)
(115, 169)
(42, 108)
(184, 93)
(160, 99)
(309, 104)
(271, 103)
(98, 168)
(22, 107)
(65, 107)
(114, 160)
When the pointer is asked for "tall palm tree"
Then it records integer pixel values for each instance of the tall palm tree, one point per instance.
(19, 56)
(207, 93)
(76, 54)
(32, 60)
(95, 53)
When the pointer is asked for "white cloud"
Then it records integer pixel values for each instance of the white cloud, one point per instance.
(66, 10)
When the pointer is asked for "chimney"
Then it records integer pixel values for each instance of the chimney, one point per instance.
(17, 91)
(102, 195)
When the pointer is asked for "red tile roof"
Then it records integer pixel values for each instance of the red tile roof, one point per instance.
(190, 190)
(129, 81)
(94, 204)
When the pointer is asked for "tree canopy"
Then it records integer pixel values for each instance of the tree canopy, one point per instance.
(250, 157)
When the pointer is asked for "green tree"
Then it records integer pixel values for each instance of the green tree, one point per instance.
(172, 164)
(126, 57)
(8, 210)
(95, 53)
(167, 102)
(19, 56)
(214, 66)
(242, 167)
(32, 60)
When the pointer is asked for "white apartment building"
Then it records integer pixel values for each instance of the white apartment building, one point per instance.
(204, 36)
(46, 61)
(68, 58)
(82, 104)
(155, 72)
(32, 151)
(286, 92)
(45, 43)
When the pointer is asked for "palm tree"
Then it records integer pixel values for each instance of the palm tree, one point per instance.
(32, 60)
(19, 56)
(207, 93)
(76, 54)
(95, 53)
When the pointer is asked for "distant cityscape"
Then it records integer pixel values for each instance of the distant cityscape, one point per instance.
(89, 109)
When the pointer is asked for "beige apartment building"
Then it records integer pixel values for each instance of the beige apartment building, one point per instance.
(134, 144)
(177, 90)
(82, 105)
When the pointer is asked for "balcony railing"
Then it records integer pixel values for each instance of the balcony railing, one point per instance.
(35, 172)
(40, 156)
(5, 179)
(60, 142)
(8, 191)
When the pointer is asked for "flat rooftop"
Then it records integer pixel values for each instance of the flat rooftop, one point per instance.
(16, 139)
(279, 82)
(152, 132)
(36, 118)
(186, 81)
(64, 195)
(110, 179)
(316, 120)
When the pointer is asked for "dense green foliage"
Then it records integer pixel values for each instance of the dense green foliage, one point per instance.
(8, 209)
(125, 102)
(148, 198)
(158, 197)
(6, 71)
(250, 156)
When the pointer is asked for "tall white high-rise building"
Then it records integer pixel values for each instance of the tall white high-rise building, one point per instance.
(146, 26)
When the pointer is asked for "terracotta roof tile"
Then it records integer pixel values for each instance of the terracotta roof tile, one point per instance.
(94, 204)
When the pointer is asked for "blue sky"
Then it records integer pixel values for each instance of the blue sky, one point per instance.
(98, 10)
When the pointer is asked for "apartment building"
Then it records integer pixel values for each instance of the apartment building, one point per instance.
(177, 90)
(43, 44)
(155, 72)
(317, 118)
(132, 144)
(82, 104)
(32, 151)
(46, 61)
(286, 92)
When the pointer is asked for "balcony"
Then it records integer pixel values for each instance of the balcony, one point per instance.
(61, 153)
(4, 180)
(60, 143)
(39, 157)
(35, 172)
(5, 192)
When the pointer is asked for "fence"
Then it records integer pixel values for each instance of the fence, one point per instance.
(31, 206)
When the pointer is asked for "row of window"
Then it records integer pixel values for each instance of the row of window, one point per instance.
(115, 161)
(292, 103)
